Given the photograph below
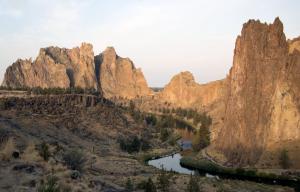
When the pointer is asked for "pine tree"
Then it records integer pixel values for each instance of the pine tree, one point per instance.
(150, 186)
(284, 159)
(193, 185)
(163, 181)
(44, 151)
(129, 185)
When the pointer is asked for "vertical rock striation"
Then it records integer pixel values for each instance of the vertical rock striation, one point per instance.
(78, 67)
(55, 67)
(118, 76)
(262, 100)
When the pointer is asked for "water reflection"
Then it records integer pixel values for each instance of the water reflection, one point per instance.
(170, 163)
(185, 142)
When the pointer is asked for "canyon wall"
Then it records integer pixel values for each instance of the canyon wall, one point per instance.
(184, 91)
(262, 99)
(255, 110)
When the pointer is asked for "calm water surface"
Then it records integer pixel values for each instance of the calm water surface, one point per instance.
(170, 163)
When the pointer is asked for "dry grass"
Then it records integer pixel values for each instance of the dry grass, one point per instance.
(7, 150)
(31, 154)
(216, 155)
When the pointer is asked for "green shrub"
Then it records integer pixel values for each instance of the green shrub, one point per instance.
(44, 151)
(163, 181)
(240, 171)
(58, 91)
(164, 134)
(131, 144)
(150, 186)
(135, 144)
(193, 185)
(204, 165)
(141, 185)
(129, 185)
(50, 185)
(250, 173)
(202, 138)
(151, 119)
(74, 159)
(4, 135)
(145, 145)
(284, 159)
(2, 105)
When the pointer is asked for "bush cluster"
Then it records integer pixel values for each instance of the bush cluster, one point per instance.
(44, 151)
(51, 185)
(197, 117)
(74, 159)
(207, 166)
(284, 159)
(59, 91)
(53, 90)
(133, 144)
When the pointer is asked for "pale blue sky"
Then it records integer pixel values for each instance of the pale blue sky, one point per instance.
(163, 37)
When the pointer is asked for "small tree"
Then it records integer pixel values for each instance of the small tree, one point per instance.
(74, 159)
(150, 186)
(135, 144)
(44, 151)
(163, 181)
(4, 135)
(202, 138)
(193, 185)
(131, 106)
(164, 134)
(129, 185)
(284, 159)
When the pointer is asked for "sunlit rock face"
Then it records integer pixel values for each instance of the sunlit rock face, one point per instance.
(55, 67)
(294, 44)
(118, 76)
(78, 67)
(183, 91)
(262, 98)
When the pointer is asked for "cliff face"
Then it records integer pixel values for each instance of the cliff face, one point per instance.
(294, 44)
(183, 91)
(262, 100)
(118, 76)
(77, 67)
(55, 67)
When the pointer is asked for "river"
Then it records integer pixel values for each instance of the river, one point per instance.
(170, 163)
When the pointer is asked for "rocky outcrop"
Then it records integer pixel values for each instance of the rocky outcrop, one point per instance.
(55, 67)
(294, 44)
(118, 76)
(262, 101)
(184, 91)
(60, 67)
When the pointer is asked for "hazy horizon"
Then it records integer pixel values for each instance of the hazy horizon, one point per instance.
(161, 37)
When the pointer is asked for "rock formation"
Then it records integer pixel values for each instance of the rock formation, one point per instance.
(183, 91)
(294, 44)
(55, 67)
(61, 67)
(255, 110)
(118, 76)
(262, 110)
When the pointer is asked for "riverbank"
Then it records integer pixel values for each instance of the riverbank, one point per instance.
(180, 176)
(206, 166)
(156, 154)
